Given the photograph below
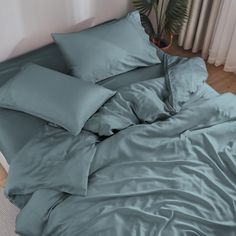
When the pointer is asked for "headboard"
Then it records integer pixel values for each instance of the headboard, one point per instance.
(48, 56)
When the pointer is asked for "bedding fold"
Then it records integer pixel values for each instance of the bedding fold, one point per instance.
(135, 104)
(144, 181)
(53, 159)
(37, 216)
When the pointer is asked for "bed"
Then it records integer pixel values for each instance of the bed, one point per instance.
(157, 158)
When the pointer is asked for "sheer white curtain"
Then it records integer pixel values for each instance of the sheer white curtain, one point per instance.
(211, 28)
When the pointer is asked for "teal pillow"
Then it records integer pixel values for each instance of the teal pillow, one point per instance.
(53, 96)
(109, 49)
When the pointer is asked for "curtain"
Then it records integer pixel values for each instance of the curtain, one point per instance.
(211, 29)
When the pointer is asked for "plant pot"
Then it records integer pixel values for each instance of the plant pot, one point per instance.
(163, 44)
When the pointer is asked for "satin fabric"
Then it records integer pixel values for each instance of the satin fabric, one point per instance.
(170, 177)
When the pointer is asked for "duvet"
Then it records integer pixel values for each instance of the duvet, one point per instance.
(159, 158)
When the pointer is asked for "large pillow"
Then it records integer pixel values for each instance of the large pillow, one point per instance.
(53, 96)
(108, 49)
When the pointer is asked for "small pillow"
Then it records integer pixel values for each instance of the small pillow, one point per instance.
(53, 96)
(108, 49)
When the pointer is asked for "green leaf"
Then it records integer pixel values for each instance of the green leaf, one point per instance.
(144, 6)
(147, 25)
(175, 16)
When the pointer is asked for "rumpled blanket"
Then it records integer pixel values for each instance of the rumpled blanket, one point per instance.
(159, 158)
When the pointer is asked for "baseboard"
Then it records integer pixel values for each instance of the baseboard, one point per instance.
(3, 162)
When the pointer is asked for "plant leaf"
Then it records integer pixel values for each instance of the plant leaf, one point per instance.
(175, 15)
(147, 25)
(144, 6)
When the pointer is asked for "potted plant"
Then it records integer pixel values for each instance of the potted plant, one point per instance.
(169, 18)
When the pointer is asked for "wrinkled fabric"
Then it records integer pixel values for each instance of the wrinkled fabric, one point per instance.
(170, 178)
(173, 176)
(53, 159)
(134, 104)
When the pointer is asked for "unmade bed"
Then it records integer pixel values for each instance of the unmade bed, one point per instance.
(158, 157)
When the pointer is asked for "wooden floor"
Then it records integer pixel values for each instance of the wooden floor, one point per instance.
(219, 79)
(2, 176)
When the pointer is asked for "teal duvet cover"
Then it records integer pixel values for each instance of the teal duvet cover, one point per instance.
(149, 162)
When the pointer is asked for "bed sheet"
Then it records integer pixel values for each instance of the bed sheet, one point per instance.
(172, 176)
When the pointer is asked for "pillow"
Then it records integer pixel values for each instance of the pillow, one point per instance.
(53, 96)
(108, 49)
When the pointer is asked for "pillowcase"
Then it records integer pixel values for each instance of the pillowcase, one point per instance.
(108, 49)
(53, 96)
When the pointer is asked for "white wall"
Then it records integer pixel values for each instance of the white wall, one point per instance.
(27, 24)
